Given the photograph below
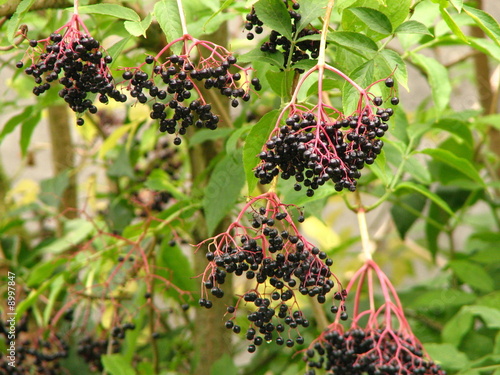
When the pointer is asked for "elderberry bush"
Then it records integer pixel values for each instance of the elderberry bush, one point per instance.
(314, 148)
(77, 61)
(372, 352)
(174, 86)
(271, 251)
(278, 43)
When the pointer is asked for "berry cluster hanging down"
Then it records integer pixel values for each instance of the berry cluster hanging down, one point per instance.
(77, 61)
(271, 251)
(315, 145)
(180, 103)
(379, 340)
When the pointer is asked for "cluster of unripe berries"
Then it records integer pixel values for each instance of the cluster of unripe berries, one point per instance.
(272, 252)
(372, 352)
(304, 49)
(315, 151)
(174, 106)
(78, 63)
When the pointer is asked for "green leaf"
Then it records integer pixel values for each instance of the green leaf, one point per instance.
(485, 21)
(254, 144)
(404, 219)
(438, 79)
(115, 364)
(167, 14)
(15, 121)
(473, 275)
(159, 180)
(462, 165)
(16, 19)
(458, 128)
(489, 315)
(224, 365)
(412, 27)
(120, 214)
(113, 139)
(442, 299)
(363, 75)
(116, 49)
(275, 59)
(447, 356)
(27, 128)
(427, 193)
(42, 271)
(309, 11)
(53, 188)
(373, 19)
(208, 135)
(381, 169)
(457, 327)
(179, 270)
(458, 4)
(75, 231)
(280, 82)
(453, 25)
(223, 7)
(113, 10)
(121, 166)
(355, 42)
(396, 63)
(223, 189)
(275, 15)
(138, 28)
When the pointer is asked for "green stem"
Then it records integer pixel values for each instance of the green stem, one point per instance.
(324, 34)
(182, 17)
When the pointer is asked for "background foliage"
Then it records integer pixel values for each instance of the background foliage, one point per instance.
(105, 239)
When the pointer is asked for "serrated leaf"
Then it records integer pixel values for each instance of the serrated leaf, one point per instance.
(254, 143)
(458, 128)
(275, 15)
(373, 19)
(116, 49)
(438, 79)
(485, 21)
(309, 11)
(396, 64)
(427, 193)
(363, 75)
(355, 42)
(167, 14)
(458, 4)
(473, 275)
(223, 189)
(280, 82)
(489, 315)
(380, 169)
(453, 25)
(138, 28)
(462, 165)
(412, 27)
(113, 10)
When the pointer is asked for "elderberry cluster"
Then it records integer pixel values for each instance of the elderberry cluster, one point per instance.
(315, 152)
(83, 67)
(280, 260)
(304, 49)
(380, 352)
(173, 107)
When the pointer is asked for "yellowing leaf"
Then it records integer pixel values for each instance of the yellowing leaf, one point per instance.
(323, 235)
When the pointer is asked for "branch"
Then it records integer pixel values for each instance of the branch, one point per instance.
(9, 8)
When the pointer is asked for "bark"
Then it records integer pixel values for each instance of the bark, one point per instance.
(63, 156)
(212, 338)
